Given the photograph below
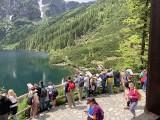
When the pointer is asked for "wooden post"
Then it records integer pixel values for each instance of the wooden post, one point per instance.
(153, 87)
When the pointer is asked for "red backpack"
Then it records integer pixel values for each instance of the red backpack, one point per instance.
(143, 78)
(71, 86)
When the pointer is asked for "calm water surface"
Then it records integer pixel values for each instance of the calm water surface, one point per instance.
(17, 68)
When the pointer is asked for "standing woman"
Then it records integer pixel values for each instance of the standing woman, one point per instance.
(94, 112)
(35, 102)
(133, 95)
(14, 106)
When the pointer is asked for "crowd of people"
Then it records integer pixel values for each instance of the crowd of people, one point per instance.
(41, 97)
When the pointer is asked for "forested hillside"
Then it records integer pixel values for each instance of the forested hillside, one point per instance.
(112, 31)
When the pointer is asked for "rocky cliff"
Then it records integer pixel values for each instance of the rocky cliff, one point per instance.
(34, 9)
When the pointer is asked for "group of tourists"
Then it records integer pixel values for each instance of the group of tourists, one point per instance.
(41, 97)
(103, 83)
(8, 105)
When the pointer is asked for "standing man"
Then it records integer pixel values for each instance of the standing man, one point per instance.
(69, 90)
(86, 85)
(80, 81)
(4, 107)
(103, 77)
(142, 77)
(117, 80)
(43, 96)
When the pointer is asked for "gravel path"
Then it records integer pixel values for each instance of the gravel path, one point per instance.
(113, 106)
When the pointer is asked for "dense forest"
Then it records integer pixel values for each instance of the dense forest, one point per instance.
(115, 32)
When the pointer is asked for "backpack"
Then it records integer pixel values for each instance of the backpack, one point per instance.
(30, 99)
(71, 86)
(143, 78)
(116, 74)
(81, 82)
(43, 92)
(54, 92)
(139, 95)
(101, 114)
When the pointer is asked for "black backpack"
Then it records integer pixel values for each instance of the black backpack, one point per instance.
(116, 74)
(81, 82)
(43, 92)
(55, 92)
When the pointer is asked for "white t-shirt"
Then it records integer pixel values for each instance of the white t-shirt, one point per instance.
(99, 80)
(86, 81)
(13, 100)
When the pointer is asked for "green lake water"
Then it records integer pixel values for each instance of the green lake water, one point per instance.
(17, 68)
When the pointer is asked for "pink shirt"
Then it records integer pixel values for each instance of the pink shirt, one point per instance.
(134, 94)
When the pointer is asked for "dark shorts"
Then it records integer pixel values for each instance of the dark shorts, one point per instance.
(14, 110)
(52, 98)
(117, 82)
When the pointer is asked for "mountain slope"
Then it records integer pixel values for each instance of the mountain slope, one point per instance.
(34, 10)
(108, 31)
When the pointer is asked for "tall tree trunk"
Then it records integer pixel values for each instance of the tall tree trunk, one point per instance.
(144, 33)
(153, 87)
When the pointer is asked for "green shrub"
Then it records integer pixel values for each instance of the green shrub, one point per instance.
(21, 106)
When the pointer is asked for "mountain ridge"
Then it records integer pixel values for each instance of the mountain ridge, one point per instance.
(33, 9)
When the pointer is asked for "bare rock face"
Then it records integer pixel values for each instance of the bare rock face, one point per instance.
(34, 9)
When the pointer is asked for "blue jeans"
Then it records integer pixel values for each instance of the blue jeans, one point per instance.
(48, 104)
(86, 91)
(132, 106)
(42, 103)
(104, 90)
(66, 98)
(144, 87)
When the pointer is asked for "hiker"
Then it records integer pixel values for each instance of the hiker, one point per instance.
(43, 96)
(64, 81)
(4, 106)
(128, 72)
(38, 89)
(69, 89)
(133, 96)
(14, 106)
(117, 80)
(35, 101)
(48, 105)
(98, 85)
(80, 81)
(86, 85)
(109, 81)
(94, 112)
(145, 84)
(103, 77)
(53, 93)
(129, 81)
(142, 77)
(92, 86)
